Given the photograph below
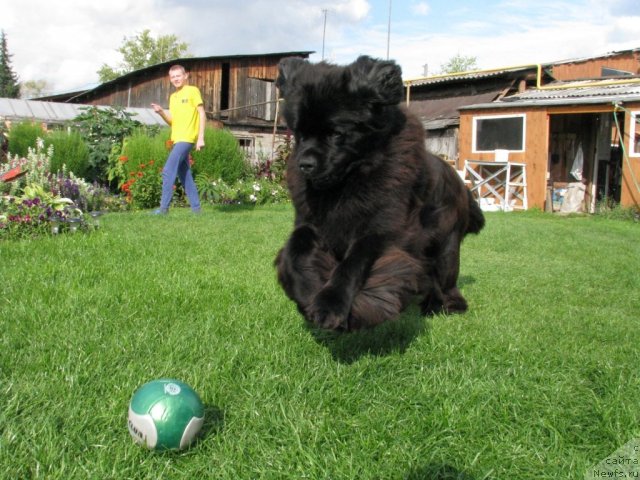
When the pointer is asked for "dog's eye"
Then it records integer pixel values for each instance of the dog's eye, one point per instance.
(338, 137)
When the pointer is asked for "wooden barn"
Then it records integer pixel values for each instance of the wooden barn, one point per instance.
(546, 143)
(237, 90)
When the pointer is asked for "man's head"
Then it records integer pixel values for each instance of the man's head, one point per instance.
(178, 76)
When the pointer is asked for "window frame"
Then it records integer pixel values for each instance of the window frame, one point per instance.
(474, 131)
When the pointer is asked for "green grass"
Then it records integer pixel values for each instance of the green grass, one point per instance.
(539, 380)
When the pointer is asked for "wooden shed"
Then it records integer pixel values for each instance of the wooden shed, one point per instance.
(567, 135)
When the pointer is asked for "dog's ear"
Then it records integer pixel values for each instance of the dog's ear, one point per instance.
(383, 76)
(286, 71)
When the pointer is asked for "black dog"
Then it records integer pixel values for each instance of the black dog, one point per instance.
(378, 219)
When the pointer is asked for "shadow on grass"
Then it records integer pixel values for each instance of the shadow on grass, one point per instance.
(385, 339)
(234, 208)
(213, 421)
(438, 472)
(465, 280)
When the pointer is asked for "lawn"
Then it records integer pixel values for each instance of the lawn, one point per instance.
(539, 380)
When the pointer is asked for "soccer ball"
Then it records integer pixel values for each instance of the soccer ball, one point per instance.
(165, 414)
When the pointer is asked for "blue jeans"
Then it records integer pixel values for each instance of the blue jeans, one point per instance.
(177, 165)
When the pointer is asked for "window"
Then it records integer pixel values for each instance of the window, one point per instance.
(261, 95)
(499, 132)
(246, 144)
(634, 135)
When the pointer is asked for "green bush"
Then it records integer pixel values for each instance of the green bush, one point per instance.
(22, 136)
(139, 148)
(221, 157)
(69, 149)
(144, 188)
(259, 191)
(104, 130)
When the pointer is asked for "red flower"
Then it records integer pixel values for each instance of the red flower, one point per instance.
(123, 159)
(140, 174)
(168, 144)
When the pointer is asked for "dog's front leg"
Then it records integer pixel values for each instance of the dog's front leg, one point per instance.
(332, 305)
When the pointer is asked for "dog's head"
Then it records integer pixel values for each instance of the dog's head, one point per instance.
(339, 115)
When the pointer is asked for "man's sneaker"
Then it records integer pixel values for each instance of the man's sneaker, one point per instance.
(159, 211)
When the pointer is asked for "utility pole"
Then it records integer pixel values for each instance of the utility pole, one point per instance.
(389, 30)
(324, 30)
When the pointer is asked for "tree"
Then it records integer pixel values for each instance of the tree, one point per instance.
(33, 88)
(9, 86)
(459, 63)
(143, 51)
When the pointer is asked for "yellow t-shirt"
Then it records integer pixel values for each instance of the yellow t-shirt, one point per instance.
(185, 118)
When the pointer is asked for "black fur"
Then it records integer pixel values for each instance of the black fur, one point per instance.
(378, 219)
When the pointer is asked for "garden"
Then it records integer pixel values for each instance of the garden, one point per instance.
(65, 179)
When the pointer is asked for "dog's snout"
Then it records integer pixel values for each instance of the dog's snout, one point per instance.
(307, 164)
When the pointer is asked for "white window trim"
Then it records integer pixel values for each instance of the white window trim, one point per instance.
(635, 115)
(489, 117)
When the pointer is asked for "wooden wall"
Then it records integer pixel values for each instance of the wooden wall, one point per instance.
(630, 195)
(152, 85)
(534, 156)
(592, 68)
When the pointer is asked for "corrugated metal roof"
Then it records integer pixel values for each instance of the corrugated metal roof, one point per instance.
(575, 93)
(583, 89)
(606, 55)
(437, 113)
(475, 75)
(54, 112)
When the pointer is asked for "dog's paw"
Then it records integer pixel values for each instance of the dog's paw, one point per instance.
(329, 310)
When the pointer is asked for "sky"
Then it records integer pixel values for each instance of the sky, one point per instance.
(65, 42)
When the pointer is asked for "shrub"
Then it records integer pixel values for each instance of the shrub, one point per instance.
(22, 136)
(260, 191)
(69, 149)
(221, 157)
(144, 187)
(104, 130)
(275, 169)
(36, 164)
(614, 211)
(32, 214)
(89, 197)
(138, 149)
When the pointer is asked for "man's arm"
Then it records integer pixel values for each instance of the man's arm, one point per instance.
(166, 116)
(202, 122)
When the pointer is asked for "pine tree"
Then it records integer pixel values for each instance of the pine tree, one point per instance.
(9, 86)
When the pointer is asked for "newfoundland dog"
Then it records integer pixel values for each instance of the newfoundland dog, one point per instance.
(378, 220)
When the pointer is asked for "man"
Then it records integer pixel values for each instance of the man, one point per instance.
(187, 120)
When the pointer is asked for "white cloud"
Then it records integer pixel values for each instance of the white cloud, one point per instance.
(65, 42)
(420, 8)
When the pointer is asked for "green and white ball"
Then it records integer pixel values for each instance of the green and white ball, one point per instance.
(165, 414)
